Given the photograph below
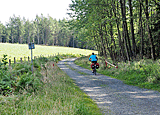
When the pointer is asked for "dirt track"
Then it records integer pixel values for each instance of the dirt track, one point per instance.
(112, 95)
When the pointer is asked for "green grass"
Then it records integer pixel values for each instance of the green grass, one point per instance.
(143, 73)
(21, 50)
(58, 95)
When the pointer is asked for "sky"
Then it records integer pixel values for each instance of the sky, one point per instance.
(30, 8)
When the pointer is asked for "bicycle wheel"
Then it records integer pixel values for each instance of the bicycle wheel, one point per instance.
(94, 71)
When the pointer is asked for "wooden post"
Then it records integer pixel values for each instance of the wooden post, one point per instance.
(9, 62)
(24, 58)
(14, 60)
(21, 60)
(28, 58)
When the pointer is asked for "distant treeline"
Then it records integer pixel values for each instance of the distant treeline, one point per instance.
(42, 30)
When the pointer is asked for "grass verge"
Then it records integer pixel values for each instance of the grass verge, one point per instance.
(58, 95)
(143, 73)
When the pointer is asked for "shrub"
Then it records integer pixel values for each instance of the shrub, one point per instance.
(19, 77)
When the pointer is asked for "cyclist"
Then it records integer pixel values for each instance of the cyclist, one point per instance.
(93, 58)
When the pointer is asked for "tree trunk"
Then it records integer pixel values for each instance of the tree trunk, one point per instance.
(0, 38)
(102, 41)
(12, 35)
(132, 29)
(108, 47)
(149, 32)
(37, 31)
(113, 47)
(141, 31)
(45, 36)
(119, 34)
(125, 30)
(28, 35)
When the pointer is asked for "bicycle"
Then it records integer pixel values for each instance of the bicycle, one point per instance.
(94, 69)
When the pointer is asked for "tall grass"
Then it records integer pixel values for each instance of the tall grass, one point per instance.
(57, 95)
(143, 73)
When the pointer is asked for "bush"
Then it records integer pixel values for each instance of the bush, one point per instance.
(5, 83)
(19, 77)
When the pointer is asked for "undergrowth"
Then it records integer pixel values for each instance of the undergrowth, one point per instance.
(47, 91)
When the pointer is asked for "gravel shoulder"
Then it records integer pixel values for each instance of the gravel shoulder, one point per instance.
(112, 96)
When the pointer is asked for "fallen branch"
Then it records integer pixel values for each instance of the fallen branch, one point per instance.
(110, 64)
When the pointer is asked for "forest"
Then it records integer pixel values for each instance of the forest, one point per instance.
(123, 30)
(42, 30)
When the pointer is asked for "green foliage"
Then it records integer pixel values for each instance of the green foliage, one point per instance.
(3, 63)
(4, 60)
(19, 77)
(57, 94)
(99, 25)
(42, 59)
(5, 83)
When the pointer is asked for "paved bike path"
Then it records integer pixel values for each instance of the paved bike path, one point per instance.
(111, 95)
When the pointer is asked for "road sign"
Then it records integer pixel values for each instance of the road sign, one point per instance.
(31, 46)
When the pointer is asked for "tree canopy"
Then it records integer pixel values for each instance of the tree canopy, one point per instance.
(121, 29)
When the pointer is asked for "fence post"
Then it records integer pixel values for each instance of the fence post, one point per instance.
(24, 58)
(28, 58)
(14, 60)
(9, 62)
(21, 60)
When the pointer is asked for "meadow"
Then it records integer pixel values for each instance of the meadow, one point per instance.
(21, 50)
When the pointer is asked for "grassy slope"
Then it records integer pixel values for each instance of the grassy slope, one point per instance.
(21, 50)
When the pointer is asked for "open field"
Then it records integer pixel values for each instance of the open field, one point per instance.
(21, 50)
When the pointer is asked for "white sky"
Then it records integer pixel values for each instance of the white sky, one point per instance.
(29, 8)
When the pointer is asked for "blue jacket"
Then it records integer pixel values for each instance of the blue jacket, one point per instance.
(93, 57)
